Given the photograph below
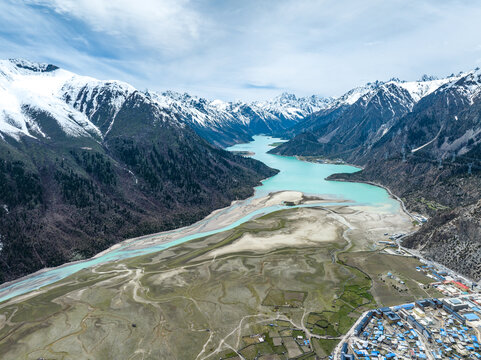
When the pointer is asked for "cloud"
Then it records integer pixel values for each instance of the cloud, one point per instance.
(248, 49)
(169, 25)
(263, 87)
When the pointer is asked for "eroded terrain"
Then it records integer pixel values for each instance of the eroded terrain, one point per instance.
(289, 275)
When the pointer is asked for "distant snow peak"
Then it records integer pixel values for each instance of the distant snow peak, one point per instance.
(32, 66)
(286, 97)
(416, 89)
(468, 85)
(217, 114)
(74, 102)
(426, 77)
(28, 89)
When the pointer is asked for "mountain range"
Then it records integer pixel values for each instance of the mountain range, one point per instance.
(422, 140)
(362, 116)
(85, 163)
(226, 123)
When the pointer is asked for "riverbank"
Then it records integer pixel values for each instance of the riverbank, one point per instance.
(286, 189)
(226, 217)
(204, 292)
(222, 219)
(361, 226)
(401, 202)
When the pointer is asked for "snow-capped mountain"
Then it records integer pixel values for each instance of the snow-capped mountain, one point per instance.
(89, 96)
(466, 85)
(360, 117)
(444, 122)
(288, 106)
(415, 89)
(28, 87)
(225, 123)
(86, 163)
(84, 106)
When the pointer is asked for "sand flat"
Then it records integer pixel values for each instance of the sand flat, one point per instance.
(309, 230)
(222, 217)
(308, 227)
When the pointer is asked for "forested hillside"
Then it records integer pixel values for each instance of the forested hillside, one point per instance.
(75, 180)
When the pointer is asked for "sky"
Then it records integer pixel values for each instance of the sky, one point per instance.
(246, 49)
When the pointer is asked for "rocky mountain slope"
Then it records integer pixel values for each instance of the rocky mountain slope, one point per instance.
(226, 123)
(350, 125)
(453, 238)
(431, 157)
(85, 163)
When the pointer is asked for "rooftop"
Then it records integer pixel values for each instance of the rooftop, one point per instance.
(471, 317)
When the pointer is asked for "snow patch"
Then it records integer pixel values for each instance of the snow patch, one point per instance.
(30, 86)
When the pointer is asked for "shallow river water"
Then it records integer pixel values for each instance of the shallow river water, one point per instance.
(296, 175)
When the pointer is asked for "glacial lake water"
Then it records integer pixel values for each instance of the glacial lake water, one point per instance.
(294, 174)
(309, 178)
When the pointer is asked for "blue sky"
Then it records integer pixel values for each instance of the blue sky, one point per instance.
(246, 49)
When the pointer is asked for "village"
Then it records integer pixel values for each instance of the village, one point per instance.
(447, 326)
(427, 329)
(434, 328)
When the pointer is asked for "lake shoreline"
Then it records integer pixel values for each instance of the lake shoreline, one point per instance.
(216, 220)
(296, 184)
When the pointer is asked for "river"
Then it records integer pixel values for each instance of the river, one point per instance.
(294, 174)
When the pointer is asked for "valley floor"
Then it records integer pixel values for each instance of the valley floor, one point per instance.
(308, 270)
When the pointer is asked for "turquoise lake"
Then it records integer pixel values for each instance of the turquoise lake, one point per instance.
(309, 178)
(295, 175)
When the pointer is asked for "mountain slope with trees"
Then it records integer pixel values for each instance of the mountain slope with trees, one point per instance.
(431, 158)
(85, 164)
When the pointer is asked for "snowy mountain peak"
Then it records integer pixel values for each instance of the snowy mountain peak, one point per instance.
(286, 97)
(33, 66)
(220, 104)
(420, 89)
(353, 95)
(217, 114)
(473, 76)
(416, 89)
(467, 85)
(29, 89)
(285, 100)
(174, 95)
(427, 77)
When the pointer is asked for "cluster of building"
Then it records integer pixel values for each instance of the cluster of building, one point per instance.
(431, 329)
(453, 288)
(445, 283)
(391, 245)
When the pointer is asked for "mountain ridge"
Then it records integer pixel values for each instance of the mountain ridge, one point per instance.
(222, 123)
(427, 152)
(74, 140)
(87, 163)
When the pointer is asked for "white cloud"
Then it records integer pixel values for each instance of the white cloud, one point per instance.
(216, 48)
(168, 24)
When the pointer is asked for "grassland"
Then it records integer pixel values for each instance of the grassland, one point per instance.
(189, 303)
(376, 265)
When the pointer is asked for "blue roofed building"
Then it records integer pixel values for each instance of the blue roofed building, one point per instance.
(471, 317)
